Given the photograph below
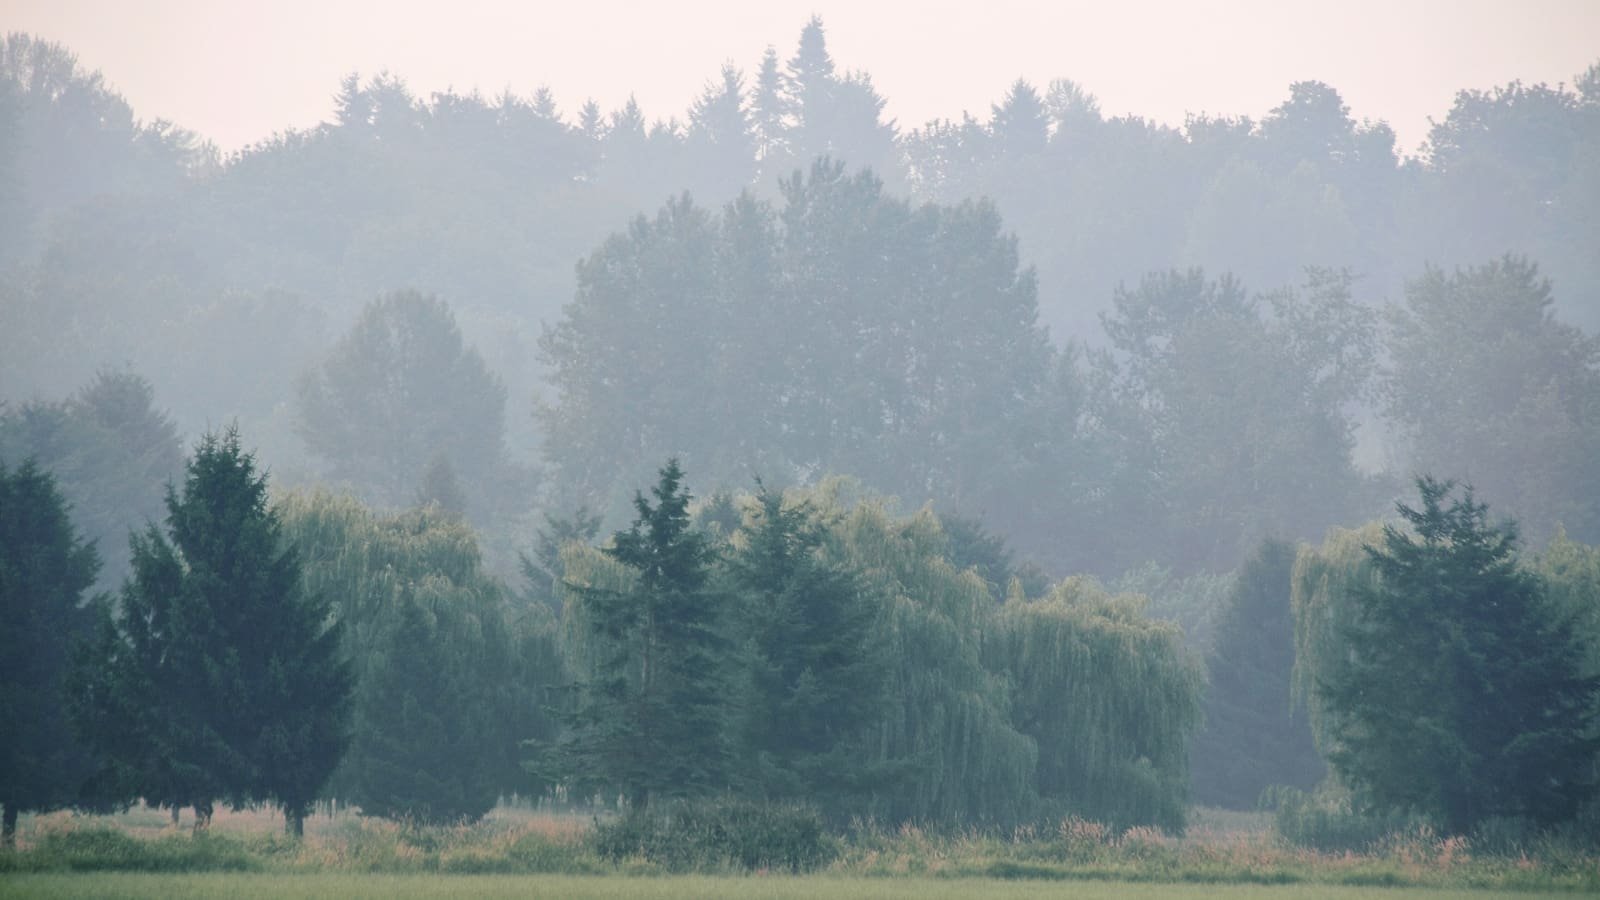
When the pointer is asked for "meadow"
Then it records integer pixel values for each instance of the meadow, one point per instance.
(529, 852)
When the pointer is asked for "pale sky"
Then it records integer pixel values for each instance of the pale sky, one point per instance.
(238, 71)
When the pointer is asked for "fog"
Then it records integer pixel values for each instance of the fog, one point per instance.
(753, 357)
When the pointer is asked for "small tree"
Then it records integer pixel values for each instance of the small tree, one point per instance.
(45, 568)
(1463, 696)
(219, 677)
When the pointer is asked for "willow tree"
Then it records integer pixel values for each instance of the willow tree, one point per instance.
(447, 669)
(1321, 587)
(946, 750)
(1112, 698)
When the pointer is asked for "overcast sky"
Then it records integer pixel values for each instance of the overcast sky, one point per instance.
(239, 71)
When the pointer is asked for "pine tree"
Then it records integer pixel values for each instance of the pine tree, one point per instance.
(219, 678)
(651, 715)
(45, 569)
(1463, 696)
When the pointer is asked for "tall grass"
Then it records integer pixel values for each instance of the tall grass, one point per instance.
(730, 840)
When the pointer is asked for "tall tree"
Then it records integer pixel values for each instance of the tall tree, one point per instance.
(45, 571)
(820, 678)
(1226, 414)
(399, 391)
(448, 672)
(651, 717)
(1464, 695)
(1488, 384)
(218, 677)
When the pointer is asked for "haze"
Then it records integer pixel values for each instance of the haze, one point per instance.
(236, 73)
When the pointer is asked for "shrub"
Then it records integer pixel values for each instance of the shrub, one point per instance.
(1327, 822)
(710, 835)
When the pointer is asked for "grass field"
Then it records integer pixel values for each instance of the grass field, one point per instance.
(400, 887)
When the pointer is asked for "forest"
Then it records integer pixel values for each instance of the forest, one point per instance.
(1032, 466)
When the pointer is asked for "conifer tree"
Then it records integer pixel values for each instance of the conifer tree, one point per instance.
(651, 715)
(1463, 695)
(819, 677)
(219, 677)
(45, 569)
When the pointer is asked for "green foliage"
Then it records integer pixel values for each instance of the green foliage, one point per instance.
(1111, 699)
(1254, 735)
(946, 749)
(819, 677)
(1464, 695)
(716, 835)
(1329, 822)
(107, 849)
(651, 714)
(45, 570)
(218, 676)
(449, 675)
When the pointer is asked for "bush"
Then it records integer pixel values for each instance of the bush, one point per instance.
(109, 849)
(1326, 822)
(712, 835)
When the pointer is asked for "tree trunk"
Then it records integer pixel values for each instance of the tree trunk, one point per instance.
(202, 816)
(8, 833)
(294, 821)
(176, 809)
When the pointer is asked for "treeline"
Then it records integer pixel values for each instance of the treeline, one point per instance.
(803, 647)
(806, 647)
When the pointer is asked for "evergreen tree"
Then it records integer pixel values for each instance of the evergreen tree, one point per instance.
(218, 677)
(45, 569)
(1464, 695)
(1254, 736)
(820, 678)
(651, 716)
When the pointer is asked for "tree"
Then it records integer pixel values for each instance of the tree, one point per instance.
(448, 672)
(819, 677)
(45, 570)
(400, 390)
(111, 452)
(651, 717)
(1110, 697)
(1254, 735)
(1464, 695)
(1225, 414)
(1487, 383)
(218, 676)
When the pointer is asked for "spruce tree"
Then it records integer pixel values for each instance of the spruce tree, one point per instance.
(219, 677)
(819, 681)
(45, 569)
(1463, 696)
(651, 715)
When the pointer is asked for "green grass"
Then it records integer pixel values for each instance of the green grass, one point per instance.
(400, 887)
